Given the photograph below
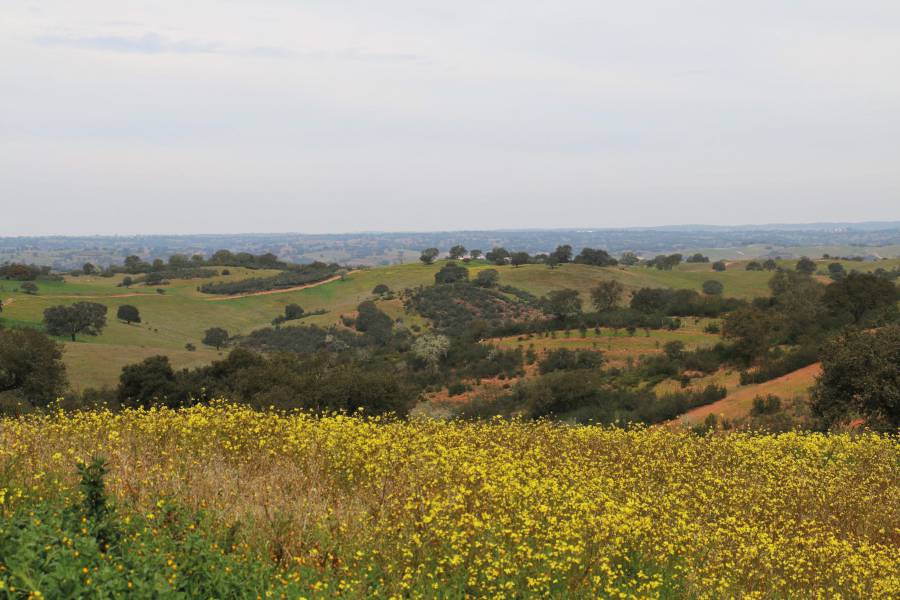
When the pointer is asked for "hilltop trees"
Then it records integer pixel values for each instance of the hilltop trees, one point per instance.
(607, 295)
(457, 252)
(770, 265)
(595, 257)
(88, 318)
(836, 271)
(563, 254)
(498, 255)
(31, 366)
(629, 259)
(215, 336)
(805, 266)
(451, 273)
(428, 255)
(519, 258)
(475, 254)
(697, 258)
(129, 314)
(381, 290)
(859, 378)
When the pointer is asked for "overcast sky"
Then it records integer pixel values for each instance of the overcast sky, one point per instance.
(351, 115)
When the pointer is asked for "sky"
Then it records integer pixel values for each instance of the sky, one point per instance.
(230, 116)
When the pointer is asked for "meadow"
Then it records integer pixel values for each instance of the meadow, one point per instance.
(290, 505)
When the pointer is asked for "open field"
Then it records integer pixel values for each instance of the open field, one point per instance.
(493, 509)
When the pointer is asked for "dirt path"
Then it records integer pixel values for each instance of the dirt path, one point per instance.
(739, 401)
(278, 291)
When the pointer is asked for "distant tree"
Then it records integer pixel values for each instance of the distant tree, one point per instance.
(629, 259)
(806, 266)
(552, 261)
(697, 258)
(29, 287)
(431, 349)
(457, 252)
(563, 303)
(519, 258)
(487, 278)
(154, 278)
(31, 366)
(215, 336)
(179, 261)
(197, 260)
(753, 266)
(595, 257)
(719, 265)
(381, 289)
(293, 311)
(88, 269)
(859, 378)
(858, 294)
(129, 314)
(607, 295)
(428, 255)
(88, 318)
(475, 254)
(713, 288)
(770, 265)
(451, 273)
(498, 255)
(158, 265)
(836, 271)
(148, 383)
(133, 264)
(563, 253)
(127, 281)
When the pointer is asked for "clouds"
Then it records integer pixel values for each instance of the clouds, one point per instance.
(358, 115)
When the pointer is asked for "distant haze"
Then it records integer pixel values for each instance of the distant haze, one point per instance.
(333, 116)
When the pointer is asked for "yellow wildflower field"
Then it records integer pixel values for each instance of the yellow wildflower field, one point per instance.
(359, 506)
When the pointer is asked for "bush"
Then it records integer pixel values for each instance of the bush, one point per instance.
(568, 360)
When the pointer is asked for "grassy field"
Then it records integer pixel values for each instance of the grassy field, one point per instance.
(182, 314)
(366, 508)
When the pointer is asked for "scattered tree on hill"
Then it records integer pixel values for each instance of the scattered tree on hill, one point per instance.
(428, 255)
(519, 258)
(292, 312)
(381, 290)
(431, 349)
(563, 253)
(770, 265)
(552, 261)
(498, 255)
(88, 269)
(859, 378)
(752, 329)
(88, 318)
(451, 273)
(129, 314)
(860, 293)
(487, 278)
(595, 257)
(665, 262)
(127, 281)
(607, 295)
(29, 287)
(713, 288)
(674, 350)
(31, 366)
(147, 383)
(563, 303)
(475, 254)
(697, 258)
(753, 266)
(836, 271)
(374, 322)
(215, 336)
(629, 259)
(154, 279)
(457, 252)
(719, 265)
(806, 266)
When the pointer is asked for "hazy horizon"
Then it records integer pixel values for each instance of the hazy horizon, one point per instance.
(325, 117)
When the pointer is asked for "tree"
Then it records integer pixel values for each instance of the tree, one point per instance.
(129, 314)
(519, 258)
(29, 287)
(31, 366)
(563, 253)
(147, 383)
(374, 322)
(381, 290)
(431, 349)
(674, 350)
(596, 257)
(215, 336)
(475, 254)
(859, 378)
(88, 318)
(713, 288)
(697, 258)
(498, 255)
(428, 255)
(629, 259)
(563, 303)
(836, 271)
(154, 279)
(293, 311)
(88, 269)
(859, 293)
(751, 328)
(797, 303)
(770, 265)
(457, 252)
(451, 273)
(552, 261)
(719, 265)
(127, 281)
(806, 266)
(753, 266)
(487, 278)
(607, 295)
